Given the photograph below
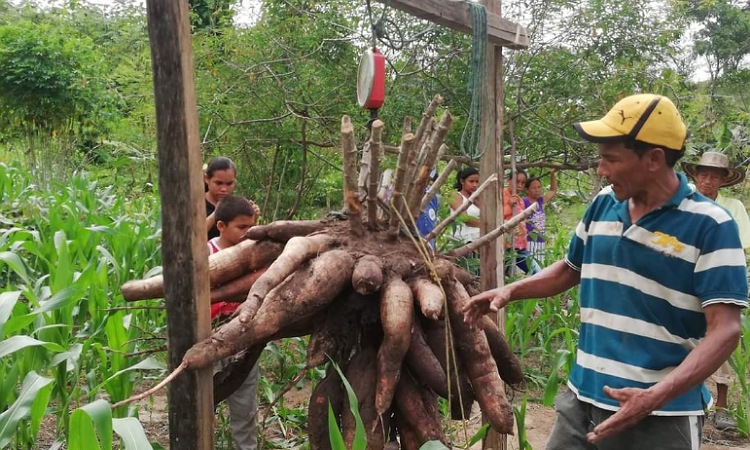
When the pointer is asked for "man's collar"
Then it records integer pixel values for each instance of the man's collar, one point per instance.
(684, 191)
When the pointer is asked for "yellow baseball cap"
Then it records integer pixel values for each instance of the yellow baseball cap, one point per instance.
(648, 118)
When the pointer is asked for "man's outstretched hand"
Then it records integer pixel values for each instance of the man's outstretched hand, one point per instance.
(635, 405)
(488, 301)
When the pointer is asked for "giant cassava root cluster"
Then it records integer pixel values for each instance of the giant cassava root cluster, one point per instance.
(372, 297)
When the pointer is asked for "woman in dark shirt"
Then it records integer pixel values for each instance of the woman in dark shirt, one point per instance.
(220, 177)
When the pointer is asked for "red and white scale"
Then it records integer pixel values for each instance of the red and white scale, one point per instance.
(371, 82)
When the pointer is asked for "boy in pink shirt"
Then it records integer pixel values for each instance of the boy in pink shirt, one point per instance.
(234, 216)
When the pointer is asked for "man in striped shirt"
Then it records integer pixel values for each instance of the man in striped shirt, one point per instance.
(662, 281)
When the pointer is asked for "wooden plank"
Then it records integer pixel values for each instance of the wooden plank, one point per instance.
(494, 440)
(456, 15)
(184, 248)
(491, 263)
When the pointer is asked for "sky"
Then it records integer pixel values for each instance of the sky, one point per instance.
(248, 11)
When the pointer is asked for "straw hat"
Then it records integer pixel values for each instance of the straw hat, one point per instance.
(719, 161)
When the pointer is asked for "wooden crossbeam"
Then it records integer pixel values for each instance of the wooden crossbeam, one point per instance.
(456, 15)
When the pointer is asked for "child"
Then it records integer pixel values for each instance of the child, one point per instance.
(234, 216)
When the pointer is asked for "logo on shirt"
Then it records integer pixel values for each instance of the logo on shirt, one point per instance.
(667, 241)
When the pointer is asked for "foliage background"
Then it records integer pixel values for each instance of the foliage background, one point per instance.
(80, 209)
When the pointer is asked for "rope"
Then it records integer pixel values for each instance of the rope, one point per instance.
(475, 87)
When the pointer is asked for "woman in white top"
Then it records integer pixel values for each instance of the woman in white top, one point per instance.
(467, 182)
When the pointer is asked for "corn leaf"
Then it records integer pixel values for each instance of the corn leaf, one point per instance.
(334, 434)
(100, 413)
(20, 342)
(39, 408)
(71, 357)
(32, 385)
(82, 434)
(360, 438)
(480, 434)
(59, 300)
(8, 301)
(16, 263)
(147, 364)
(8, 382)
(132, 434)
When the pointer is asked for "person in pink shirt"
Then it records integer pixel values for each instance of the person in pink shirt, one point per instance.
(234, 215)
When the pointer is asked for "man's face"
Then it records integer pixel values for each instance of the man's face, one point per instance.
(708, 180)
(623, 169)
(234, 231)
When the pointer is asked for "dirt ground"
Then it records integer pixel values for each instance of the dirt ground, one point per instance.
(539, 421)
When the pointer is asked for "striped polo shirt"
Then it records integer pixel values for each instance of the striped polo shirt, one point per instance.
(643, 289)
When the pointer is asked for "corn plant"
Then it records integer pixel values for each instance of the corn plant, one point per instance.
(740, 362)
(65, 340)
(520, 414)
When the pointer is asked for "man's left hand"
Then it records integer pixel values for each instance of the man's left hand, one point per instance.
(635, 405)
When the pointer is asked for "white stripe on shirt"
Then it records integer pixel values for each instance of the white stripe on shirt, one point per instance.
(634, 326)
(723, 257)
(705, 208)
(640, 283)
(620, 369)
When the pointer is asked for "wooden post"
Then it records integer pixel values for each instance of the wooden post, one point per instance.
(183, 221)
(491, 258)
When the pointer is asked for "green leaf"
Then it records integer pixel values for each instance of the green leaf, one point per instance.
(63, 274)
(147, 364)
(7, 302)
(22, 407)
(16, 263)
(480, 434)
(82, 434)
(16, 343)
(553, 382)
(39, 408)
(334, 434)
(8, 386)
(360, 437)
(71, 357)
(58, 300)
(132, 433)
(433, 445)
(100, 413)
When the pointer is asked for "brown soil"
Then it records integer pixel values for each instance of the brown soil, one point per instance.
(539, 421)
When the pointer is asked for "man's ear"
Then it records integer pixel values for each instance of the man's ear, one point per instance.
(220, 225)
(656, 158)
